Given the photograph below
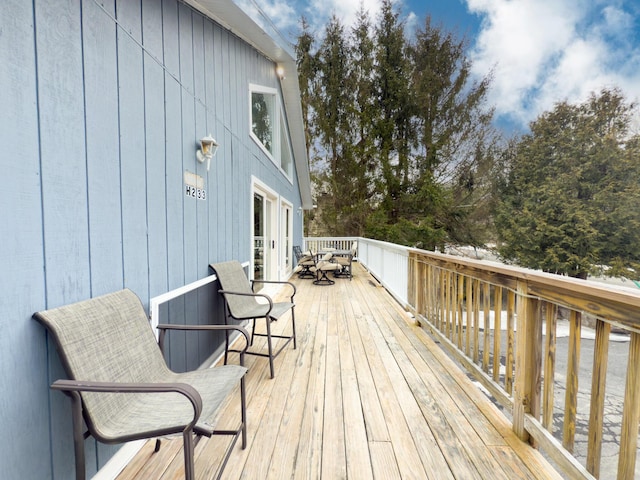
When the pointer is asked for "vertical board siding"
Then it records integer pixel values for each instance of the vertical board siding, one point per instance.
(64, 186)
(103, 104)
(23, 382)
(103, 158)
(155, 127)
(100, 61)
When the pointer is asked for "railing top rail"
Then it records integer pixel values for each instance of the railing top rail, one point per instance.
(611, 303)
(617, 304)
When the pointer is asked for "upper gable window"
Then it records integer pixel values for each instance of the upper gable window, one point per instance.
(263, 118)
(268, 127)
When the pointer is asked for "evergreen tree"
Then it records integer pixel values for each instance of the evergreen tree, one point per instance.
(395, 131)
(363, 114)
(398, 135)
(445, 151)
(334, 97)
(569, 201)
(306, 66)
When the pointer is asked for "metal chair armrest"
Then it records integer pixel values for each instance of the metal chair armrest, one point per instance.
(165, 326)
(281, 282)
(113, 387)
(246, 294)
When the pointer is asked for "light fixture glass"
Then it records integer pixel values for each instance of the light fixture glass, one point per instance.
(280, 72)
(208, 147)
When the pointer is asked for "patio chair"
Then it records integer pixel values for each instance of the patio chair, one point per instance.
(120, 384)
(305, 261)
(242, 304)
(346, 261)
(323, 267)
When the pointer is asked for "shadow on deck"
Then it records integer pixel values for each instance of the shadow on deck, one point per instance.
(365, 395)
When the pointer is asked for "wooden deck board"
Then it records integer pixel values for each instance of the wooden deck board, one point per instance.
(365, 395)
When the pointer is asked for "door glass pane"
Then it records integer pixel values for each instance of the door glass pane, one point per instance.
(258, 237)
(269, 245)
(287, 239)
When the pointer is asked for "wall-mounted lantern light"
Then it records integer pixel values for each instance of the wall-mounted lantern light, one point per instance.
(208, 147)
(280, 72)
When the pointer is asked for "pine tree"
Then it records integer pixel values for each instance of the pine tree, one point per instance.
(399, 139)
(395, 131)
(569, 201)
(455, 132)
(306, 66)
(333, 126)
(363, 114)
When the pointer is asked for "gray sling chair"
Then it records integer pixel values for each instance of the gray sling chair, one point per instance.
(346, 261)
(242, 304)
(119, 381)
(323, 267)
(305, 261)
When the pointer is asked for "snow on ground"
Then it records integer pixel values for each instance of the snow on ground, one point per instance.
(562, 328)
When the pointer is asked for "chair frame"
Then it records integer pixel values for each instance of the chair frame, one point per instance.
(271, 355)
(347, 266)
(305, 262)
(321, 273)
(74, 388)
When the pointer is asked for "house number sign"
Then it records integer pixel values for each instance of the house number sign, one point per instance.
(193, 192)
(194, 186)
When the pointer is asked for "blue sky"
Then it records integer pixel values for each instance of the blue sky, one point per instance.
(540, 51)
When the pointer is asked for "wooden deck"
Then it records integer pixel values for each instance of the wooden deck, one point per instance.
(365, 395)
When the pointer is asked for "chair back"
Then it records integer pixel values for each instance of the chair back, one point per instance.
(232, 278)
(108, 339)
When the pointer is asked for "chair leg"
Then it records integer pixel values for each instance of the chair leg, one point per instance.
(253, 331)
(270, 347)
(293, 326)
(189, 468)
(226, 344)
(243, 412)
(323, 279)
(78, 435)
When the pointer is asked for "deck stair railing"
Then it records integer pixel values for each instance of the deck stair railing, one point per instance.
(501, 323)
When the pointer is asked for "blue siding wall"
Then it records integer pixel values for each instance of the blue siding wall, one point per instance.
(102, 104)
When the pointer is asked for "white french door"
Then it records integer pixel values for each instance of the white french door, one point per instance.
(272, 234)
(263, 237)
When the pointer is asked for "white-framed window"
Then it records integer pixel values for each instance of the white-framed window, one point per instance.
(269, 127)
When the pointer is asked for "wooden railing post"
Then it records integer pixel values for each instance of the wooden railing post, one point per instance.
(571, 392)
(511, 307)
(598, 386)
(630, 413)
(526, 392)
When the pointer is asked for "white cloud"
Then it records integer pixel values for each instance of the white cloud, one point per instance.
(346, 10)
(545, 51)
(278, 13)
(285, 14)
(540, 51)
